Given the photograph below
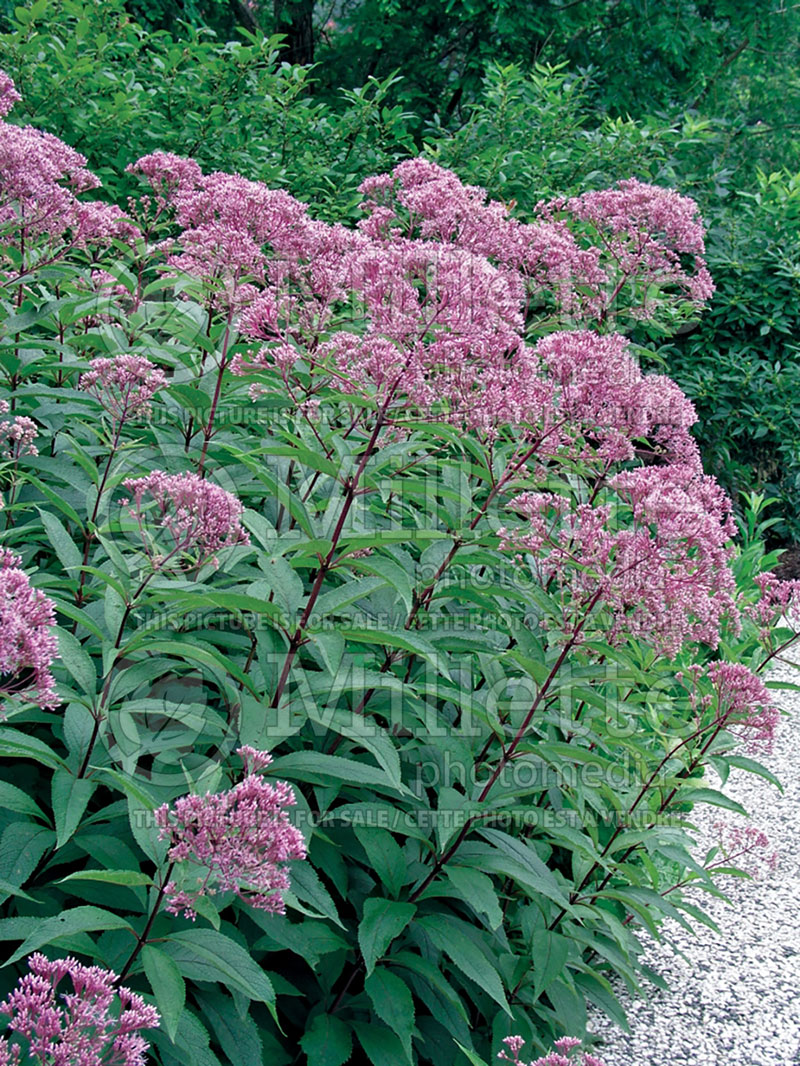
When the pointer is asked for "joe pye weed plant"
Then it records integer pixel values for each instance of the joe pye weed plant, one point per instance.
(367, 624)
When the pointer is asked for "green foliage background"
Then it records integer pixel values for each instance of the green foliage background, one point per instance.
(703, 97)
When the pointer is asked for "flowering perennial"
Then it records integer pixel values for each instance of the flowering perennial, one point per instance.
(648, 232)
(743, 704)
(17, 435)
(27, 647)
(96, 1024)
(241, 838)
(124, 385)
(441, 282)
(231, 228)
(778, 600)
(201, 518)
(40, 179)
(663, 574)
(602, 393)
(8, 94)
(740, 842)
(562, 1056)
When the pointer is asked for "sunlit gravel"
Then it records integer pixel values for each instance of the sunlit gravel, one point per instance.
(735, 997)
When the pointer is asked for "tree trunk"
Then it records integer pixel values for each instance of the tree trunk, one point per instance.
(294, 18)
(244, 16)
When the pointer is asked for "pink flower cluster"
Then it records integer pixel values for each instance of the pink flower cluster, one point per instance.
(603, 396)
(17, 436)
(124, 385)
(743, 705)
(656, 559)
(241, 837)
(97, 1024)
(778, 600)
(201, 518)
(440, 283)
(635, 237)
(647, 233)
(562, 1056)
(745, 843)
(27, 647)
(40, 180)
(421, 199)
(234, 232)
(8, 94)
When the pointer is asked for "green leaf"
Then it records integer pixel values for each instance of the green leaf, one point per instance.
(712, 796)
(432, 976)
(307, 886)
(569, 1005)
(323, 769)
(131, 787)
(331, 647)
(22, 846)
(169, 988)
(549, 953)
(475, 1059)
(70, 796)
(513, 858)
(206, 955)
(741, 762)
(17, 745)
(65, 549)
(393, 573)
(17, 800)
(145, 831)
(381, 1045)
(130, 878)
(69, 922)
(449, 935)
(385, 856)
(383, 920)
(598, 991)
(113, 611)
(477, 889)
(405, 640)
(238, 1036)
(335, 599)
(393, 1003)
(327, 1041)
(191, 1042)
(77, 662)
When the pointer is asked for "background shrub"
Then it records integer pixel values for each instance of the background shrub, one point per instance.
(352, 496)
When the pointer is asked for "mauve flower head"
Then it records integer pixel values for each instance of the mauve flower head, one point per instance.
(778, 600)
(743, 705)
(423, 200)
(228, 226)
(745, 847)
(605, 397)
(17, 435)
(167, 173)
(562, 1056)
(124, 385)
(648, 233)
(96, 1024)
(8, 94)
(27, 647)
(239, 838)
(40, 180)
(200, 517)
(663, 574)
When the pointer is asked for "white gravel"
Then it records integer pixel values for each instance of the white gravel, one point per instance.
(735, 998)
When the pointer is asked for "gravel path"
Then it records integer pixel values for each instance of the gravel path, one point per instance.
(735, 998)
